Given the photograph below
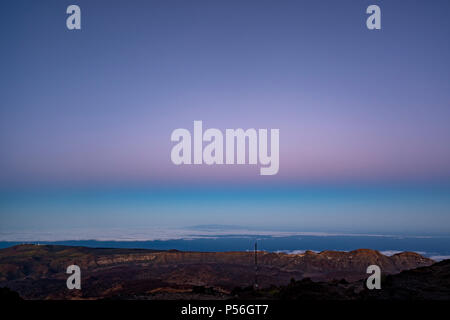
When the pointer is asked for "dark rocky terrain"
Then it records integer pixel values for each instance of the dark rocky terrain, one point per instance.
(38, 272)
(420, 284)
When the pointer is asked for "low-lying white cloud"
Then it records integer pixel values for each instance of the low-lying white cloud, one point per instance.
(295, 251)
(439, 258)
(163, 233)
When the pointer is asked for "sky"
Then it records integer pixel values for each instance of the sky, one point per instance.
(90, 112)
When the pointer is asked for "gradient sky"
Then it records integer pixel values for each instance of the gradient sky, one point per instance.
(96, 107)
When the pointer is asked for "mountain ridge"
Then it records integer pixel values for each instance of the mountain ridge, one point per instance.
(38, 271)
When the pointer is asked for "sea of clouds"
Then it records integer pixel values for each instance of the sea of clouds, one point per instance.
(181, 233)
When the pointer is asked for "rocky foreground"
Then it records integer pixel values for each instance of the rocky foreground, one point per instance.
(420, 284)
(39, 272)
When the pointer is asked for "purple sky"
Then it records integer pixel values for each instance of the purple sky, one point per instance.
(99, 105)
(360, 113)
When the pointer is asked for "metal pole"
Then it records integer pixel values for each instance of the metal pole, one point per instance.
(256, 265)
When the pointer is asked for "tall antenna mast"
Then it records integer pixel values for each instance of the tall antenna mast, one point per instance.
(256, 265)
